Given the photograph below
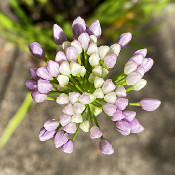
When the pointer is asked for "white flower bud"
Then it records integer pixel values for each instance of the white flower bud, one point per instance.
(65, 68)
(77, 46)
(98, 71)
(92, 49)
(85, 126)
(62, 99)
(108, 86)
(130, 67)
(115, 48)
(120, 91)
(73, 97)
(104, 72)
(75, 68)
(83, 71)
(133, 78)
(110, 97)
(103, 51)
(91, 78)
(139, 85)
(98, 93)
(92, 97)
(63, 80)
(95, 110)
(78, 108)
(98, 82)
(94, 59)
(93, 38)
(62, 88)
(77, 118)
(66, 44)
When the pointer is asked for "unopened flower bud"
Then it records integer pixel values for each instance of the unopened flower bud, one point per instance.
(124, 39)
(93, 39)
(78, 108)
(120, 91)
(92, 48)
(75, 68)
(95, 110)
(58, 34)
(31, 85)
(77, 46)
(95, 29)
(44, 86)
(71, 53)
(137, 58)
(103, 51)
(140, 70)
(78, 27)
(109, 109)
(139, 85)
(130, 67)
(95, 132)
(98, 93)
(121, 103)
(110, 97)
(45, 135)
(65, 68)
(92, 97)
(61, 138)
(65, 119)
(94, 59)
(147, 64)
(68, 147)
(136, 127)
(98, 71)
(43, 73)
(115, 48)
(110, 60)
(60, 57)
(133, 78)
(84, 40)
(83, 71)
(149, 104)
(118, 115)
(141, 51)
(63, 80)
(108, 86)
(123, 127)
(91, 78)
(51, 125)
(70, 128)
(65, 45)
(73, 97)
(98, 82)
(85, 126)
(36, 50)
(68, 109)
(33, 73)
(77, 119)
(104, 72)
(129, 115)
(38, 97)
(53, 68)
(106, 147)
(84, 98)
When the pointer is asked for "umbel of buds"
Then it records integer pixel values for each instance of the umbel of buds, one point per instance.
(76, 79)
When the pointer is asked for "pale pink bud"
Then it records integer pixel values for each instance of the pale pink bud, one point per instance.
(118, 115)
(53, 68)
(71, 53)
(77, 46)
(95, 29)
(124, 39)
(141, 51)
(95, 132)
(109, 109)
(44, 86)
(147, 64)
(60, 139)
(133, 78)
(121, 103)
(137, 58)
(36, 50)
(60, 57)
(38, 97)
(84, 98)
(62, 99)
(70, 128)
(68, 147)
(130, 67)
(68, 109)
(84, 40)
(129, 115)
(106, 147)
(108, 86)
(73, 97)
(43, 73)
(65, 119)
(78, 108)
(51, 125)
(110, 60)
(120, 91)
(149, 104)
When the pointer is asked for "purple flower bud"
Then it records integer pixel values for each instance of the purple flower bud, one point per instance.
(36, 50)
(92, 48)
(33, 73)
(121, 103)
(106, 147)
(95, 29)
(38, 97)
(65, 119)
(45, 135)
(44, 86)
(31, 85)
(68, 109)
(137, 58)
(129, 115)
(136, 127)
(79, 108)
(53, 68)
(133, 78)
(110, 60)
(84, 98)
(118, 115)
(78, 27)
(95, 132)
(60, 139)
(43, 73)
(120, 91)
(60, 57)
(130, 67)
(123, 127)
(73, 97)
(84, 40)
(51, 125)
(109, 109)
(71, 53)
(141, 51)
(58, 34)
(124, 39)
(108, 86)
(149, 104)
(68, 147)
(70, 128)
(147, 64)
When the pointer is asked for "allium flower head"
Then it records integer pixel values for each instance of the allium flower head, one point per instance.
(76, 80)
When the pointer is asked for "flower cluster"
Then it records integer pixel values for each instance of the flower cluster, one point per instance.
(76, 78)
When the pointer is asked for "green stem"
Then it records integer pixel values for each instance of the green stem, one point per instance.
(121, 82)
(73, 88)
(50, 99)
(79, 59)
(16, 120)
(135, 104)
(118, 76)
(91, 119)
(75, 135)
(130, 88)
(75, 83)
